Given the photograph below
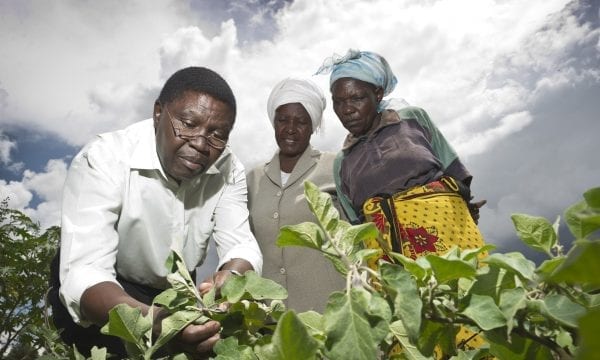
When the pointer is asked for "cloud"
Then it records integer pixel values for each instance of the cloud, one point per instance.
(512, 84)
(47, 186)
(6, 145)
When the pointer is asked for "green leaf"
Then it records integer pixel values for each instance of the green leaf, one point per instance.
(536, 232)
(490, 281)
(173, 300)
(518, 348)
(471, 254)
(583, 218)
(356, 234)
(349, 326)
(437, 334)
(589, 328)
(549, 266)
(514, 262)
(484, 311)
(229, 349)
(581, 265)
(313, 322)
(418, 269)
(321, 205)
(446, 270)
(306, 234)
(338, 264)
(561, 309)
(290, 340)
(251, 286)
(98, 354)
(129, 324)
(409, 351)
(405, 294)
(254, 317)
(173, 324)
(511, 301)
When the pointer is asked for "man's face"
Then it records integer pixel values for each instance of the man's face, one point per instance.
(355, 104)
(197, 113)
(293, 128)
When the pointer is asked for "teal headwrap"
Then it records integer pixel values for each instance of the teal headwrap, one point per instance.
(362, 65)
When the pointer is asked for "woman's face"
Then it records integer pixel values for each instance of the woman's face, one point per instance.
(293, 128)
(355, 104)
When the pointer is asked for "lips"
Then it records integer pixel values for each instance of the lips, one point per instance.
(192, 162)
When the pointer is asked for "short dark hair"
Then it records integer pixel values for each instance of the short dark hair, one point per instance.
(198, 79)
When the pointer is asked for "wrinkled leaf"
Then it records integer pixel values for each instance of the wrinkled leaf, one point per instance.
(409, 351)
(417, 268)
(290, 340)
(128, 323)
(350, 328)
(560, 308)
(305, 234)
(583, 218)
(173, 324)
(514, 262)
(437, 334)
(356, 234)
(511, 301)
(589, 328)
(536, 232)
(407, 302)
(484, 311)
(321, 205)
(251, 286)
(450, 269)
(229, 349)
(581, 265)
(518, 348)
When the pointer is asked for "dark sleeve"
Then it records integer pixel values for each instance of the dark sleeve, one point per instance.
(458, 171)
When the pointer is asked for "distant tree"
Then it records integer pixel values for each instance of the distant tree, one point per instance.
(25, 255)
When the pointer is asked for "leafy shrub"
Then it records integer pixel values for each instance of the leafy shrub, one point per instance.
(520, 310)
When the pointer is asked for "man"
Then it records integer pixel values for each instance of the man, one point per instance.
(132, 195)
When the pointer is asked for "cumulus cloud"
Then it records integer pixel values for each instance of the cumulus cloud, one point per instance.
(6, 145)
(46, 185)
(511, 84)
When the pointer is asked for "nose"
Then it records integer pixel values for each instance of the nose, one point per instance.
(200, 143)
(347, 108)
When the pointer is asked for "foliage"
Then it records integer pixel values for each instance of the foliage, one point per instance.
(25, 256)
(247, 319)
(520, 310)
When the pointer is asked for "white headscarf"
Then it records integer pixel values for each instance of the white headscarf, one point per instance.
(301, 91)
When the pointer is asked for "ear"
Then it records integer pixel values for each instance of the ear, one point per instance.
(379, 94)
(156, 114)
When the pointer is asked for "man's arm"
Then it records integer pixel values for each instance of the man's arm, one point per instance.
(235, 242)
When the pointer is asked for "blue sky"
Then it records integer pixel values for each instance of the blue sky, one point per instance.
(513, 85)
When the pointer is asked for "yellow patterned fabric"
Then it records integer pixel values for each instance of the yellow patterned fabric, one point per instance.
(428, 219)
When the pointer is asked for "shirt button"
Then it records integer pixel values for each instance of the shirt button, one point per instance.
(279, 193)
(275, 215)
(282, 271)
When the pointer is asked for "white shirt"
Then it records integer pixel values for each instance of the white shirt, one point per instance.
(122, 214)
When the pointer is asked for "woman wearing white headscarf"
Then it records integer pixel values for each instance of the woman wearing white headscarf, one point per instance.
(275, 195)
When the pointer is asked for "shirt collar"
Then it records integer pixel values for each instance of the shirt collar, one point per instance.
(388, 117)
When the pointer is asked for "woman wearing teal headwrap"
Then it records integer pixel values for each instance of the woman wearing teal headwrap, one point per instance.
(396, 169)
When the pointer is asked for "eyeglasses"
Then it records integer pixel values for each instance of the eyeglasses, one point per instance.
(192, 133)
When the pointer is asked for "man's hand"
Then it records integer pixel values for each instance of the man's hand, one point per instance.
(217, 279)
(197, 340)
(474, 209)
